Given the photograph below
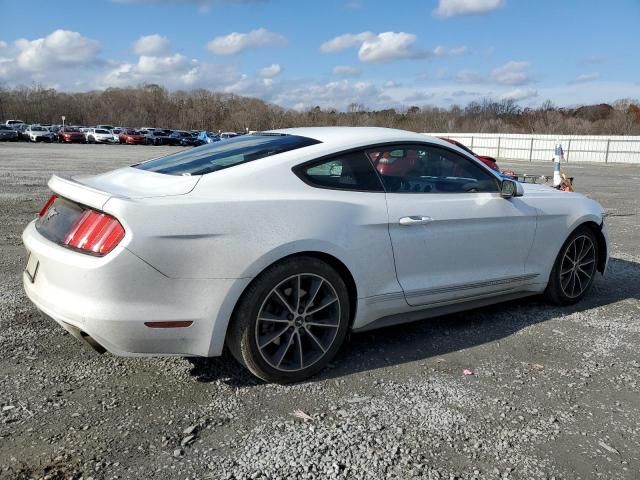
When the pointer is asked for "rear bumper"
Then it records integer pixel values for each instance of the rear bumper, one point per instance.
(110, 298)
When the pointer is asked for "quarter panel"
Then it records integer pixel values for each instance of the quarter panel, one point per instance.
(237, 232)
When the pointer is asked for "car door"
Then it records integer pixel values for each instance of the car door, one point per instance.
(453, 236)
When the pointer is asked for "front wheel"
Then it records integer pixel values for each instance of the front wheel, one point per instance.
(291, 321)
(575, 268)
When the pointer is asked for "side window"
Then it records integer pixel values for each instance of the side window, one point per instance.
(429, 169)
(350, 171)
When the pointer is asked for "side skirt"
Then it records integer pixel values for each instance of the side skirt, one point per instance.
(435, 310)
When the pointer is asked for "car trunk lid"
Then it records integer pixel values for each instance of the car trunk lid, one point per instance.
(126, 183)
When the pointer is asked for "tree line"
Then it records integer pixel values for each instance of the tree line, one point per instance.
(155, 106)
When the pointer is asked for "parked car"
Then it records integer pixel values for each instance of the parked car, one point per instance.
(225, 135)
(71, 135)
(12, 123)
(8, 134)
(131, 137)
(159, 137)
(99, 135)
(20, 128)
(186, 139)
(116, 133)
(38, 133)
(278, 243)
(105, 127)
(207, 137)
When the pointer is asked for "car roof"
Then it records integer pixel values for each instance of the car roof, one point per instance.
(337, 136)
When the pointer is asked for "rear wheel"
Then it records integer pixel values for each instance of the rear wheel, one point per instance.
(291, 321)
(575, 268)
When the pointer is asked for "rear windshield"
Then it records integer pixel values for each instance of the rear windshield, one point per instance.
(221, 155)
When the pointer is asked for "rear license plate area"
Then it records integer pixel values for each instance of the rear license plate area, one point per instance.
(32, 267)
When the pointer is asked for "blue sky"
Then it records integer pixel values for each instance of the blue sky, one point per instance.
(333, 52)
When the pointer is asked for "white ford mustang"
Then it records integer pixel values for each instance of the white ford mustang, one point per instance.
(279, 243)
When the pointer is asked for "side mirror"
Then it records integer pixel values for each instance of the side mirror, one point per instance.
(510, 188)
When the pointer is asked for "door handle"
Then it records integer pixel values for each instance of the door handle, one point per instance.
(414, 220)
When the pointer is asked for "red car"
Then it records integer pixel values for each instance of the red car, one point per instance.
(71, 135)
(131, 137)
(488, 161)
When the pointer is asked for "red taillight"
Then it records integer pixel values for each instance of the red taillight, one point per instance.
(94, 232)
(46, 206)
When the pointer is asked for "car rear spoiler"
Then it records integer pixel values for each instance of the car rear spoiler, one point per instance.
(76, 191)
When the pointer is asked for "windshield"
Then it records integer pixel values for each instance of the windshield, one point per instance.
(71, 129)
(99, 130)
(221, 155)
(38, 129)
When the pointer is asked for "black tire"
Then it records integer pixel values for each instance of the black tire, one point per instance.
(296, 340)
(570, 281)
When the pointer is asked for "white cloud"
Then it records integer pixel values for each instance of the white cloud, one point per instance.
(271, 71)
(385, 47)
(519, 94)
(337, 94)
(452, 8)
(346, 71)
(469, 76)
(586, 77)
(236, 42)
(151, 45)
(148, 65)
(173, 71)
(345, 41)
(59, 48)
(512, 73)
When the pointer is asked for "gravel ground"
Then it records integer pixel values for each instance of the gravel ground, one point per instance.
(554, 392)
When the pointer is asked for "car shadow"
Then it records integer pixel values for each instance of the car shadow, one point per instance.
(426, 339)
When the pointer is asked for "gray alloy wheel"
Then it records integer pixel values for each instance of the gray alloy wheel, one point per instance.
(575, 268)
(578, 266)
(291, 320)
(298, 322)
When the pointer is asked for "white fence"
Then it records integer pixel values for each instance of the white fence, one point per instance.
(577, 148)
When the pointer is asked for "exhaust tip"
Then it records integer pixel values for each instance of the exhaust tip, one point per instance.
(89, 340)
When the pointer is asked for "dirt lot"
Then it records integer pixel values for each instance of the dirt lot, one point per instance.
(555, 392)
